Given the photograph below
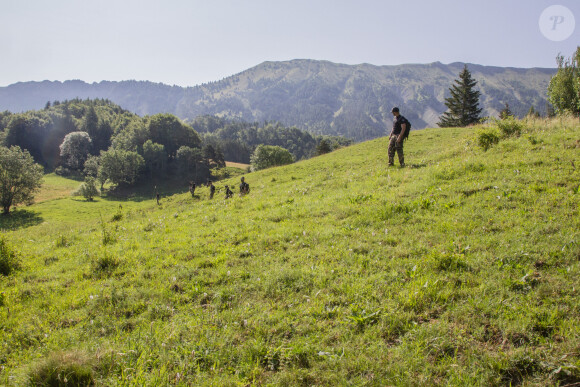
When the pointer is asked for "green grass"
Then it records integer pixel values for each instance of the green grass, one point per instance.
(56, 187)
(461, 269)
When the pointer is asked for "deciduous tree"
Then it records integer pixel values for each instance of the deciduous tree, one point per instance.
(20, 177)
(189, 159)
(89, 188)
(564, 87)
(154, 156)
(266, 156)
(75, 149)
(168, 130)
(120, 166)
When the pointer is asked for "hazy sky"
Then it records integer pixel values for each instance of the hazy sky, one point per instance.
(189, 42)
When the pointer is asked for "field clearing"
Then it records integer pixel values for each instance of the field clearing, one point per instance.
(237, 165)
(56, 187)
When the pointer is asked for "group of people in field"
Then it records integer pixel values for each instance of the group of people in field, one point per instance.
(244, 189)
(399, 133)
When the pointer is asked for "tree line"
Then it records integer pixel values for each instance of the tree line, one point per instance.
(106, 143)
(239, 139)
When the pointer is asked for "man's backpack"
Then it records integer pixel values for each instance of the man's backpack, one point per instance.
(408, 129)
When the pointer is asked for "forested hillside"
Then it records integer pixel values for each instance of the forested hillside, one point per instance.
(318, 96)
(77, 136)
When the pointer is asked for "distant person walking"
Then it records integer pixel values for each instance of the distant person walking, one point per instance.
(211, 189)
(229, 192)
(157, 196)
(192, 188)
(244, 187)
(401, 127)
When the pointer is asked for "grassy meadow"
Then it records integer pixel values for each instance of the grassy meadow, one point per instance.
(461, 269)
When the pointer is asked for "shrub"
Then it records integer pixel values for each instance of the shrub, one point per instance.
(266, 156)
(449, 261)
(118, 215)
(61, 241)
(486, 138)
(63, 369)
(8, 257)
(89, 188)
(510, 126)
(104, 265)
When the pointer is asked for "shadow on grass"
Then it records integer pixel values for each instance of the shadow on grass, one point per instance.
(19, 219)
(417, 166)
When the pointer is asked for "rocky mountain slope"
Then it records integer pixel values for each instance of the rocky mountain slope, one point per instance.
(319, 96)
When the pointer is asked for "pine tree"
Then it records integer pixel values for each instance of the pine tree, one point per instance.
(505, 113)
(532, 112)
(323, 147)
(463, 104)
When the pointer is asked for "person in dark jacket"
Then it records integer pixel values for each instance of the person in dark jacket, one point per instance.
(244, 187)
(397, 137)
(229, 192)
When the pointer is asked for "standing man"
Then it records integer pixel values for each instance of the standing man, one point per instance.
(244, 187)
(401, 127)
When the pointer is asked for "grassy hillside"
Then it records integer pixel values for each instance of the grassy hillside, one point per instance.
(461, 269)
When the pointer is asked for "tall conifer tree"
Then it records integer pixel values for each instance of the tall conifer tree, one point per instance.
(463, 104)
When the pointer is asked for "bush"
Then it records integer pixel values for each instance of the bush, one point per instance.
(8, 258)
(266, 156)
(486, 138)
(510, 126)
(89, 188)
(63, 369)
(104, 265)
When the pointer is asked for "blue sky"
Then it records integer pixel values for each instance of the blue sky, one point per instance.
(189, 42)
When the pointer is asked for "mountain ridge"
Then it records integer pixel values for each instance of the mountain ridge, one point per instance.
(316, 95)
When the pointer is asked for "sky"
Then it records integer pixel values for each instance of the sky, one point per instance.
(191, 42)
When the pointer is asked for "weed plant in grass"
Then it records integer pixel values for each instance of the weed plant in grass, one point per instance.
(461, 269)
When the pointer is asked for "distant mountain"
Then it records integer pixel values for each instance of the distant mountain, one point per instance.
(319, 96)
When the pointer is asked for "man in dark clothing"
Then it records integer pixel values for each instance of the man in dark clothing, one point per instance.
(229, 192)
(192, 188)
(244, 187)
(211, 189)
(397, 137)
